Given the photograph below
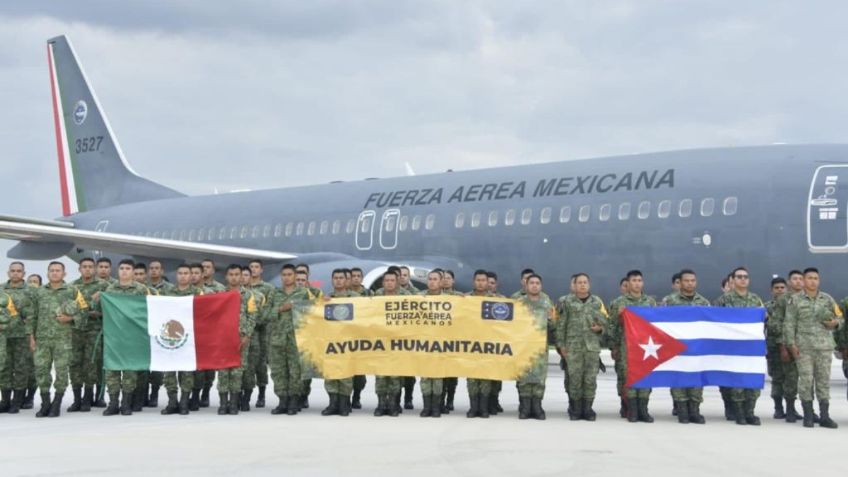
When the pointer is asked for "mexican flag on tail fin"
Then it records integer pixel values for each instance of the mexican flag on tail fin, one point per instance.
(169, 333)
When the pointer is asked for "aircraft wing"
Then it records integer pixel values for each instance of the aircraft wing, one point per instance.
(48, 239)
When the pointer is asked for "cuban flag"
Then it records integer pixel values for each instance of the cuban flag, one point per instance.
(695, 346)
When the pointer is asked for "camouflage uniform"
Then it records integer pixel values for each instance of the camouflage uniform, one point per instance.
(449, 384)
(841, 338)
(744, 400)
(344, 386)
(784, 375)
(531, 384)
(87, 348)
(803, 328)
(431, 388)
(117, 381)
(203, 380)
(634, 401)
(583, 349)
(480, 390)
(359, 380)
(53, 338)
(230, 379)
(8, 314)
(257, 374)
(184, 380)
(18, 359)
(679, 299)
(284, 358)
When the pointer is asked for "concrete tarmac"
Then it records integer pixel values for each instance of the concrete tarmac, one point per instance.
(257, 443)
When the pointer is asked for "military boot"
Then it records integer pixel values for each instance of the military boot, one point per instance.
(282, 407)
(98, 397)
(29, 399)
(344, 404)
(56, 405)
(682, 409)
(45, 405)
(750, 417)
(153, 399)
(427, 401)
(807, 407)
(245, 400)
(293, 405)
(356, 400)
(791, 413)
(523, 407)
(194, 400)
(484, 405)
(443, 402)
(333, 408)
(778, 408)
(729, 409)
(380, 409)
(112, 408)
(632, 410)
(536, 408)
(234, 404)
(204, 396)
(260, 398)
(496, 402)
(825, 420)
(77, 404)
(574, 409)
(622, 411)
(588, 413)
(6, 399)
(643, 413)
(394, 406)
(138, 397)
(126, 404)
(17, 401)
(739, 413)
(407, 394)
(695, 413)
(87, 399)
(435, 405)
(449, 399)
(171, 407)
(223, 399)
(473, 407)
(183, 405)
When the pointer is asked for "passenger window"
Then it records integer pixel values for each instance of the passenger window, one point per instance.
(545, 215)
(430, 222)
(584, 212)
(233, 233)
(403, 223)
(310, 230)
(351, 225)
(298, 230)
(475, 219)
(390, 223)
(222, 234)
(255, 232)
(416, 222)
(624, 211)
(191, 235)
(707, 207)
(493, 218)
(325, 226)
(730, 206)
(156, 234)
(644, 209)
(289, 228)
(243, 232)
(565, 214)
(526, 215)
(605, 212)
(266, 231)
(210, 235)
(685, 209)
(664, 209)
(460, 220)
(201, 234)
(337, 227)
(509, 217)
(278, 230)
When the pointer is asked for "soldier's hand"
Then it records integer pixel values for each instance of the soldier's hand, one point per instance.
(794, 351)
(615, 353)
(784, 354)
(286, 307)
(32, 344)
(563, 352)
(64, 318)
(245, 341)
(830, 324)
(95, 297)
(596, 328)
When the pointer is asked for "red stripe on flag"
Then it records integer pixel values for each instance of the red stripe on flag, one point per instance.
(63, 174)
(216, 330)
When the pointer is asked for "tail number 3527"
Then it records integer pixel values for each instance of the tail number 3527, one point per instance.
(88, 144)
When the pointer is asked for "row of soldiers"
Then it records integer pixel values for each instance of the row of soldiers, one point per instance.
(58, 326)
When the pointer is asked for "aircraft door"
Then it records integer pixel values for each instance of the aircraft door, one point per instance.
(100, 227)
(827, 221)
(365, 230)
(389, 229)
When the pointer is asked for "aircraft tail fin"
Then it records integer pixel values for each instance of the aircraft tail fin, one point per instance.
(93, 172)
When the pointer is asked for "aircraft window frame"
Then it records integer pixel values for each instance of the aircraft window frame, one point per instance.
(324, 227)
(254, 233)
(509, 217)
(526, 216)
(298, 229)
(565, 214)
(684, 209)
(624, 210)
(310, 229)
(707, 207)
(416, 222)
(584, 213)
(459, 221)
(337, 227)
(730, 206)
(493, 218)
(266, 231)
(350, 227)
(475, 219)
(664, 209)
(278, 230)
(545, 215)
(604, 212)
(430, 222)
(644, 210)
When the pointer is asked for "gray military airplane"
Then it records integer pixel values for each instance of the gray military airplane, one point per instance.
(769, 208)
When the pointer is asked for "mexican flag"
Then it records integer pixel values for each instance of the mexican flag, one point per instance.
(171, 333)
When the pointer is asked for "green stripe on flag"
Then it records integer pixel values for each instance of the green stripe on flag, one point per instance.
(126, 344)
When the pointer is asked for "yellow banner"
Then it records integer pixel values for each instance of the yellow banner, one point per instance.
(420, 335)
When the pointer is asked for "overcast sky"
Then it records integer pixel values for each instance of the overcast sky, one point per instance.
(272, 94)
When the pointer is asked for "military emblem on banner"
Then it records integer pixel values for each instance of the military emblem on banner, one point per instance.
(496, 310)
(338, 312)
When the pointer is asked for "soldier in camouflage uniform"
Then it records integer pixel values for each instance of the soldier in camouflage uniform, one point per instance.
(448, 384)
(230, 379)
(811, 317)
(432, 388)
(408, 383)
(479, 390)
(158, 286)
(531, 385)
(841, 338)
(359, 380)
(19, 360)
(259, 342)
(284, 359)
(182, 380)
(121, 382)
(56, 306)
(302, 278)
(495, 398)
(248, 377)
(744, 400)
(580, 327)
(87, 351)
(637, 399)
(687, 401)
(388, 387)
(8, 316)
(782, 367)
(338, 390)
